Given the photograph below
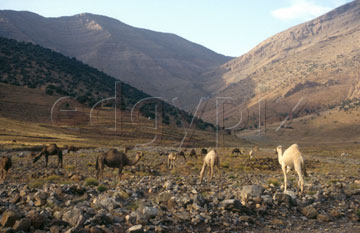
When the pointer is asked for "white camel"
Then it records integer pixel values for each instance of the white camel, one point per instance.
(171, 160)
(251, 153)
(211, 160)
(290, 159)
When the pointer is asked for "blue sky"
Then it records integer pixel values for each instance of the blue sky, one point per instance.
(229, 27)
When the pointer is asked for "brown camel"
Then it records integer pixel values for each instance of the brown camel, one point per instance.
(5, 165)
(237, 151)
(114, 159)
(50, 150)
(182, 154)
(73, 149)
(193, 153)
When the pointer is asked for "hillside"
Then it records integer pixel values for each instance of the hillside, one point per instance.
(31, 66)
(315, 64)
(157, 63)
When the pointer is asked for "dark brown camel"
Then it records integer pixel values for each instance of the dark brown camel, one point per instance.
(5, 165)
(193, 153)
(50, 150)
(237, 151)
(114, 159)
(182, 154)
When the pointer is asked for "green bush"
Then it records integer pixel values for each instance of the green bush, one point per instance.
(91, 182)
(101, 188)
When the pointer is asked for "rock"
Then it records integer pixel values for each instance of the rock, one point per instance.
(199, 199)
(291, 194)
(234, 205)
(37, 220)
(16, 199)
(40, 198)
(9, 217)
(135, 229)
(150, 212)
(164, 197)
(55, 229)
(335, 213)
(251, 191)
(105, 202)
(95, 230)
(281, 198)
(309, 212)
(73, 217)
(323, 218)
(22, 224)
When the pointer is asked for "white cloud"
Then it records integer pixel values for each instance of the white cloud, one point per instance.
(300, 9)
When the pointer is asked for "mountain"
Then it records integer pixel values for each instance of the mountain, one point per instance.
(313, 66)
(160, 64)
(31, 66)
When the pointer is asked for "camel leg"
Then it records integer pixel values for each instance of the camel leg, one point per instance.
(211, 171)
(301, 180)
(283, 167)
(46, 160)
(60, 159)
(120, 172)
(202, 172)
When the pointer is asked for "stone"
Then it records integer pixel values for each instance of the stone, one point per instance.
(9, 217)
(73, 216)
(251, 191)
(22, 224)
(309, 212)
(95, 230)
(37, 220)
(150, 212)
(335, 213)
(283, 198)
(135, 229)
(323, 218)
(164, 197)
(55, 229)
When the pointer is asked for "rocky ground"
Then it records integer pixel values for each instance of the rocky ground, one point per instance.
(247, 197)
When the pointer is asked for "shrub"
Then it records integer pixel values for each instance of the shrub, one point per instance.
(91, 182)
(101, 188)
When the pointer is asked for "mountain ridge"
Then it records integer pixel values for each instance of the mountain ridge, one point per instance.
(155, 62)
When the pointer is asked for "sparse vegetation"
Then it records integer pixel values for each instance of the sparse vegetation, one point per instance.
(91, 182)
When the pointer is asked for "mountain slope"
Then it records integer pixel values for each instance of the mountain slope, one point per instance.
(157, 63)
(31, 66)
(317, 62)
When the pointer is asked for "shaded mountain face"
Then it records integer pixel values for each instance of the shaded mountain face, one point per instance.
(317, 62)
(30, 66)
(160, 64)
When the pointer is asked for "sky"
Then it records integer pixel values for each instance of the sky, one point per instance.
(229, 27)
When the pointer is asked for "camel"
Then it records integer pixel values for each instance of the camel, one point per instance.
(292, 158)
(204, 151)
(237, 151)
(182, 154)
(211, 160)
(50, 150)
(193, 153)
(171, 160)
(72, 148)
(115, 159)
(251, 154)
(5, 165)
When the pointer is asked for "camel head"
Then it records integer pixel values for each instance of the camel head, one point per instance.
(278, 150)
(36, 157)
